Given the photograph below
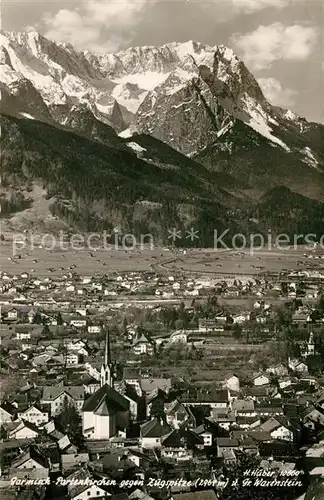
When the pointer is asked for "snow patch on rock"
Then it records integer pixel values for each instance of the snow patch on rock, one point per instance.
(136, 147)
(27, 115)
(290, 115)
(146, 81)
(131, 100)
(259, 121)
(126, 133)
(310, 159)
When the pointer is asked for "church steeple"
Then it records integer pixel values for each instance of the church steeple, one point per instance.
(107, 350)
(106, 375)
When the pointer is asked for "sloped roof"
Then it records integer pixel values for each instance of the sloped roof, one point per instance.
(127, 390)
(50, 393)
(140, 495)
(107, 399)
(149, 384)
(155, 429)
(247, 420)
(9, 408)
(228, 442)
(172, 407)
(279, 449)
(89, 380)
(103, 408)
(274, 423)
(80, 476)
(24, 423)
(257, 391)
(201, 429)
(205, 396)
(181, 437)
(157, 394)
(259, 435)
(243, 405)
(143, 339)
(30, 454)
(193, 439)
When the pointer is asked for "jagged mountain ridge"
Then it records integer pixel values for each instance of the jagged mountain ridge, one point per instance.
(124, 80)
(185, 94)
(61, 74)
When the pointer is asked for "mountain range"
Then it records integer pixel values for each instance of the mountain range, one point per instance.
(149, 139)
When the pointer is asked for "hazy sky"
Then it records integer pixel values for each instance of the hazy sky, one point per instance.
(281, 41)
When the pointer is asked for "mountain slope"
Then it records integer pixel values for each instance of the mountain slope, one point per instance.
(291, 213)
(95, 186)
(252, 159)
(141, 187)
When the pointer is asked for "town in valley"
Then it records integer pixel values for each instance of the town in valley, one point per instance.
(159, 382)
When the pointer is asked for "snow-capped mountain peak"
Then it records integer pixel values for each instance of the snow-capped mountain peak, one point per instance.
(185, 94)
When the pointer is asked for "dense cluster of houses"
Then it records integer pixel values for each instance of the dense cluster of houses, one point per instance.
(134, 425)
(71, 418)
(72, 288)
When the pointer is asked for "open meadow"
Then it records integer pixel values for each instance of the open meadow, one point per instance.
(58, 261)
(245, 263)
(42, 260)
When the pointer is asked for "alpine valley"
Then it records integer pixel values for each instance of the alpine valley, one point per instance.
(148, 139)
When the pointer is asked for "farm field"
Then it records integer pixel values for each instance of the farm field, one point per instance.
(57, 262)
(42, 261)
(244, 262)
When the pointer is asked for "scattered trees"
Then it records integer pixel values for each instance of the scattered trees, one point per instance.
(70, 420)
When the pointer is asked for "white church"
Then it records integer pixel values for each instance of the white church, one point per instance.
(106, 407)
